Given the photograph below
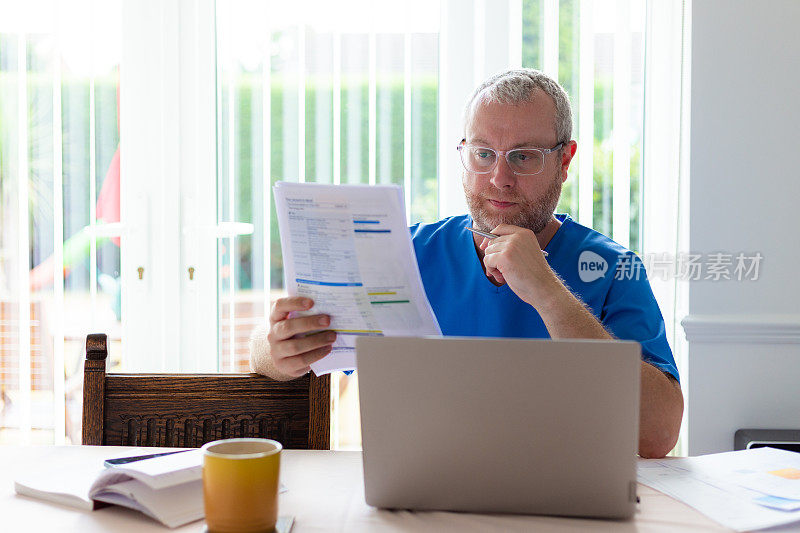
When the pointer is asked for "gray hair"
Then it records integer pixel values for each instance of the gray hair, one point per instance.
(515, 87)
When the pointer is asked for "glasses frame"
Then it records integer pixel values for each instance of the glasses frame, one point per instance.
(544, 151)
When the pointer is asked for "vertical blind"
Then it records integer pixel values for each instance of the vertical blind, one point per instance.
(331, 94)
(347, 92)
(58, 265)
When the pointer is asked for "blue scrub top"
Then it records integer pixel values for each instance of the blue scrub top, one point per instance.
(608, 278)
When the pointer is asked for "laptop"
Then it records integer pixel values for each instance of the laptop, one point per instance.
(500, 425)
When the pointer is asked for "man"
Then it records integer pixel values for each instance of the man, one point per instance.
(516, 151)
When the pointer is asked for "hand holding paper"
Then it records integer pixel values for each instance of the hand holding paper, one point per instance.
(296, 343)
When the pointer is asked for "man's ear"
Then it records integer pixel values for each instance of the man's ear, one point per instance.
(567, 153)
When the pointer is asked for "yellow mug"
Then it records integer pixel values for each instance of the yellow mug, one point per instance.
(240, 484)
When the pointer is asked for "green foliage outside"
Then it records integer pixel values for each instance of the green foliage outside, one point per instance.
(569, 61)
(248, 164)
(318, 166)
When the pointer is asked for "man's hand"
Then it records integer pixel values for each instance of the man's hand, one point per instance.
(516, 258)
(291, 353)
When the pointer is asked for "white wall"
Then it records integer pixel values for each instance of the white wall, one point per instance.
(744, 336)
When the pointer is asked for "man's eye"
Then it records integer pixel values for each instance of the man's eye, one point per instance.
(521, 157)
(483, 155)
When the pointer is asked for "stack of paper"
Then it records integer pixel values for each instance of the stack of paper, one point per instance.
(744, 490)
(349, 249)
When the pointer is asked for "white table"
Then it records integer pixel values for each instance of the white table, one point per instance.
(325, 494)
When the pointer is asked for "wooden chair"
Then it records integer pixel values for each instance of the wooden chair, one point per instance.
(188, 410)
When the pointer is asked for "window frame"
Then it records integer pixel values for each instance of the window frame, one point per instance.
(168, 186)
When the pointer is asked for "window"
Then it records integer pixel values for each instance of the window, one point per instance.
(172, 248)
(59, 245)
(597, 54)
(337, 93)
(351, 101)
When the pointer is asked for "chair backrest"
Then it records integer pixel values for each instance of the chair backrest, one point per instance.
(188, 410)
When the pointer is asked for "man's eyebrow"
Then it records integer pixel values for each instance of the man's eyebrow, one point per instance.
(529, 144)
(526, 144)
(532, 144)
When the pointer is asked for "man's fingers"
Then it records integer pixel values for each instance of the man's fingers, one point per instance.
(299, 364)
(315, 355)
(295, 346)
(489, 261)
(286, 329)
(493, 247)
(498, 276)
(302, 372)
(283, 306)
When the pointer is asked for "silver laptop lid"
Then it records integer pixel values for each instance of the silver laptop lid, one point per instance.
(500, 425)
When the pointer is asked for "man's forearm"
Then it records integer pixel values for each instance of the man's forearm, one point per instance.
(260, 358)
(566, 317)
(660, 412)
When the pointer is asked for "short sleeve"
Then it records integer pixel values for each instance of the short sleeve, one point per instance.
(631, 312)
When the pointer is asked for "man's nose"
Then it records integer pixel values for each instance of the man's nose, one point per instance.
(502, 176)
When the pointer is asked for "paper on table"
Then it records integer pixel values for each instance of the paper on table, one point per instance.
(768, 470)
(708, 484)
(349, 249)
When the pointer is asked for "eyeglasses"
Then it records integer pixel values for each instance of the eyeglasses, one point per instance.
(521, 161)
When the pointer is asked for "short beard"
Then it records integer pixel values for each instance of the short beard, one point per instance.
(534, 215)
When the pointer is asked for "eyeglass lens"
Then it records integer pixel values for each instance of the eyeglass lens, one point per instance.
(481, 159)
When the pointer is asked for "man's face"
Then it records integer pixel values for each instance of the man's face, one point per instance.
(502, 197)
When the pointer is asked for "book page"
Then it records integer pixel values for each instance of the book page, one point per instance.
(172, 506)
(158, 472)
(348, 248)
(64, 484)
(64, 474)
(167, 488)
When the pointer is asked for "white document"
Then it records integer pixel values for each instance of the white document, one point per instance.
(768, 470)
(735, 489)
(349, 249)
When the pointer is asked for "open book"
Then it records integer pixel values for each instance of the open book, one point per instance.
(167, 488)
